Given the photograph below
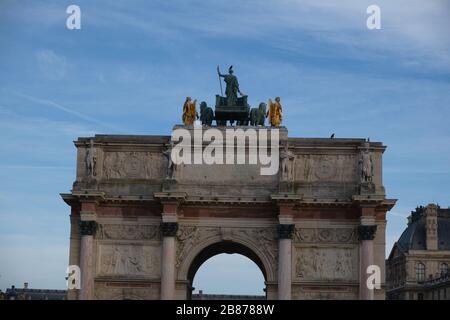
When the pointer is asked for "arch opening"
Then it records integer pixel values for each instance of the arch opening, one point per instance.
(223, 247)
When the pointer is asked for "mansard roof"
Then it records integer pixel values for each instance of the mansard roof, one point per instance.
(414, 236)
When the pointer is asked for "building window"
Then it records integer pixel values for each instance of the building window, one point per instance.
(444, 269)
(420, 272)
(420, 296)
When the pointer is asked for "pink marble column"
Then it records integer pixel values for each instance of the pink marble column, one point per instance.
(87, 231)
(366, 236)
(285, 232)
(169, 230)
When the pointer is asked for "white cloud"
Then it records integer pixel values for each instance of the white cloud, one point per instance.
(51, 65)
(52, 104)
(129, 74)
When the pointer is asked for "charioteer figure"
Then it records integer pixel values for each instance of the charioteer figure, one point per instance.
(231, 107)
(232, 88)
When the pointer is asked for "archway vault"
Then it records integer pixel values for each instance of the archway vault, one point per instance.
(219, 247)
(207, 248)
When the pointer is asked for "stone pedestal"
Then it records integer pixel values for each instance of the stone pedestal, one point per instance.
(285, 233)
(169, 230)
(87, 231)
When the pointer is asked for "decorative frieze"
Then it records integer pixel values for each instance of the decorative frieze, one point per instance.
(325, 235)
(128, 232)
(133, 165)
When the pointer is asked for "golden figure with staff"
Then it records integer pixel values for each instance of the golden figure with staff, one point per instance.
(275, 112)
(189, 111)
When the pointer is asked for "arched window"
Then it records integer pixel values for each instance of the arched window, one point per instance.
(420, 272)
(444, 268)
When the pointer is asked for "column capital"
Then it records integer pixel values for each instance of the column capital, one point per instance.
(169, 229)
(87, 228)
(367, 232)
(285, 231)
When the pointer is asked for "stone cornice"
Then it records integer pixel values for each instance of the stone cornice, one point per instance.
(181, 197)
(136, 140)
(286, 198)
(93, 195)
(69, 198)
(170, 196)
(378, 201)
(333, 203)
(86, 195)
(218, 201)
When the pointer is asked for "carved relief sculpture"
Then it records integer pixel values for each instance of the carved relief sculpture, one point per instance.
(91, 160)
(135, 165)
(326, 264)
(287, 164)
(366, 164)
(171, 166)
(129, 260)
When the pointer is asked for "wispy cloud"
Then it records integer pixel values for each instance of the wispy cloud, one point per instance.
(416, 30)
(52, 104)
(52, 65)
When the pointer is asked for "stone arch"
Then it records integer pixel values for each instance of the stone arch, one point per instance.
(127, 297)
(212, 246)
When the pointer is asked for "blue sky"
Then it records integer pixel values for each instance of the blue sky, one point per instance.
(129, 68)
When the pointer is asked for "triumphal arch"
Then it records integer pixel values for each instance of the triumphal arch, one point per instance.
(147, 211)
(142, 223)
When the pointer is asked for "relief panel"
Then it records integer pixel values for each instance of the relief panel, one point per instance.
(132, 260)
(334, 263)
(133, 165)
(313, 168)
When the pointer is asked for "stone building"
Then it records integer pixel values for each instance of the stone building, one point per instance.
(418, 265)
(141, 226)
(204, 296)
(27, 293)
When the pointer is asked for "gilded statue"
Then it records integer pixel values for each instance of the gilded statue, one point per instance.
(189, 111)
(275, 112)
